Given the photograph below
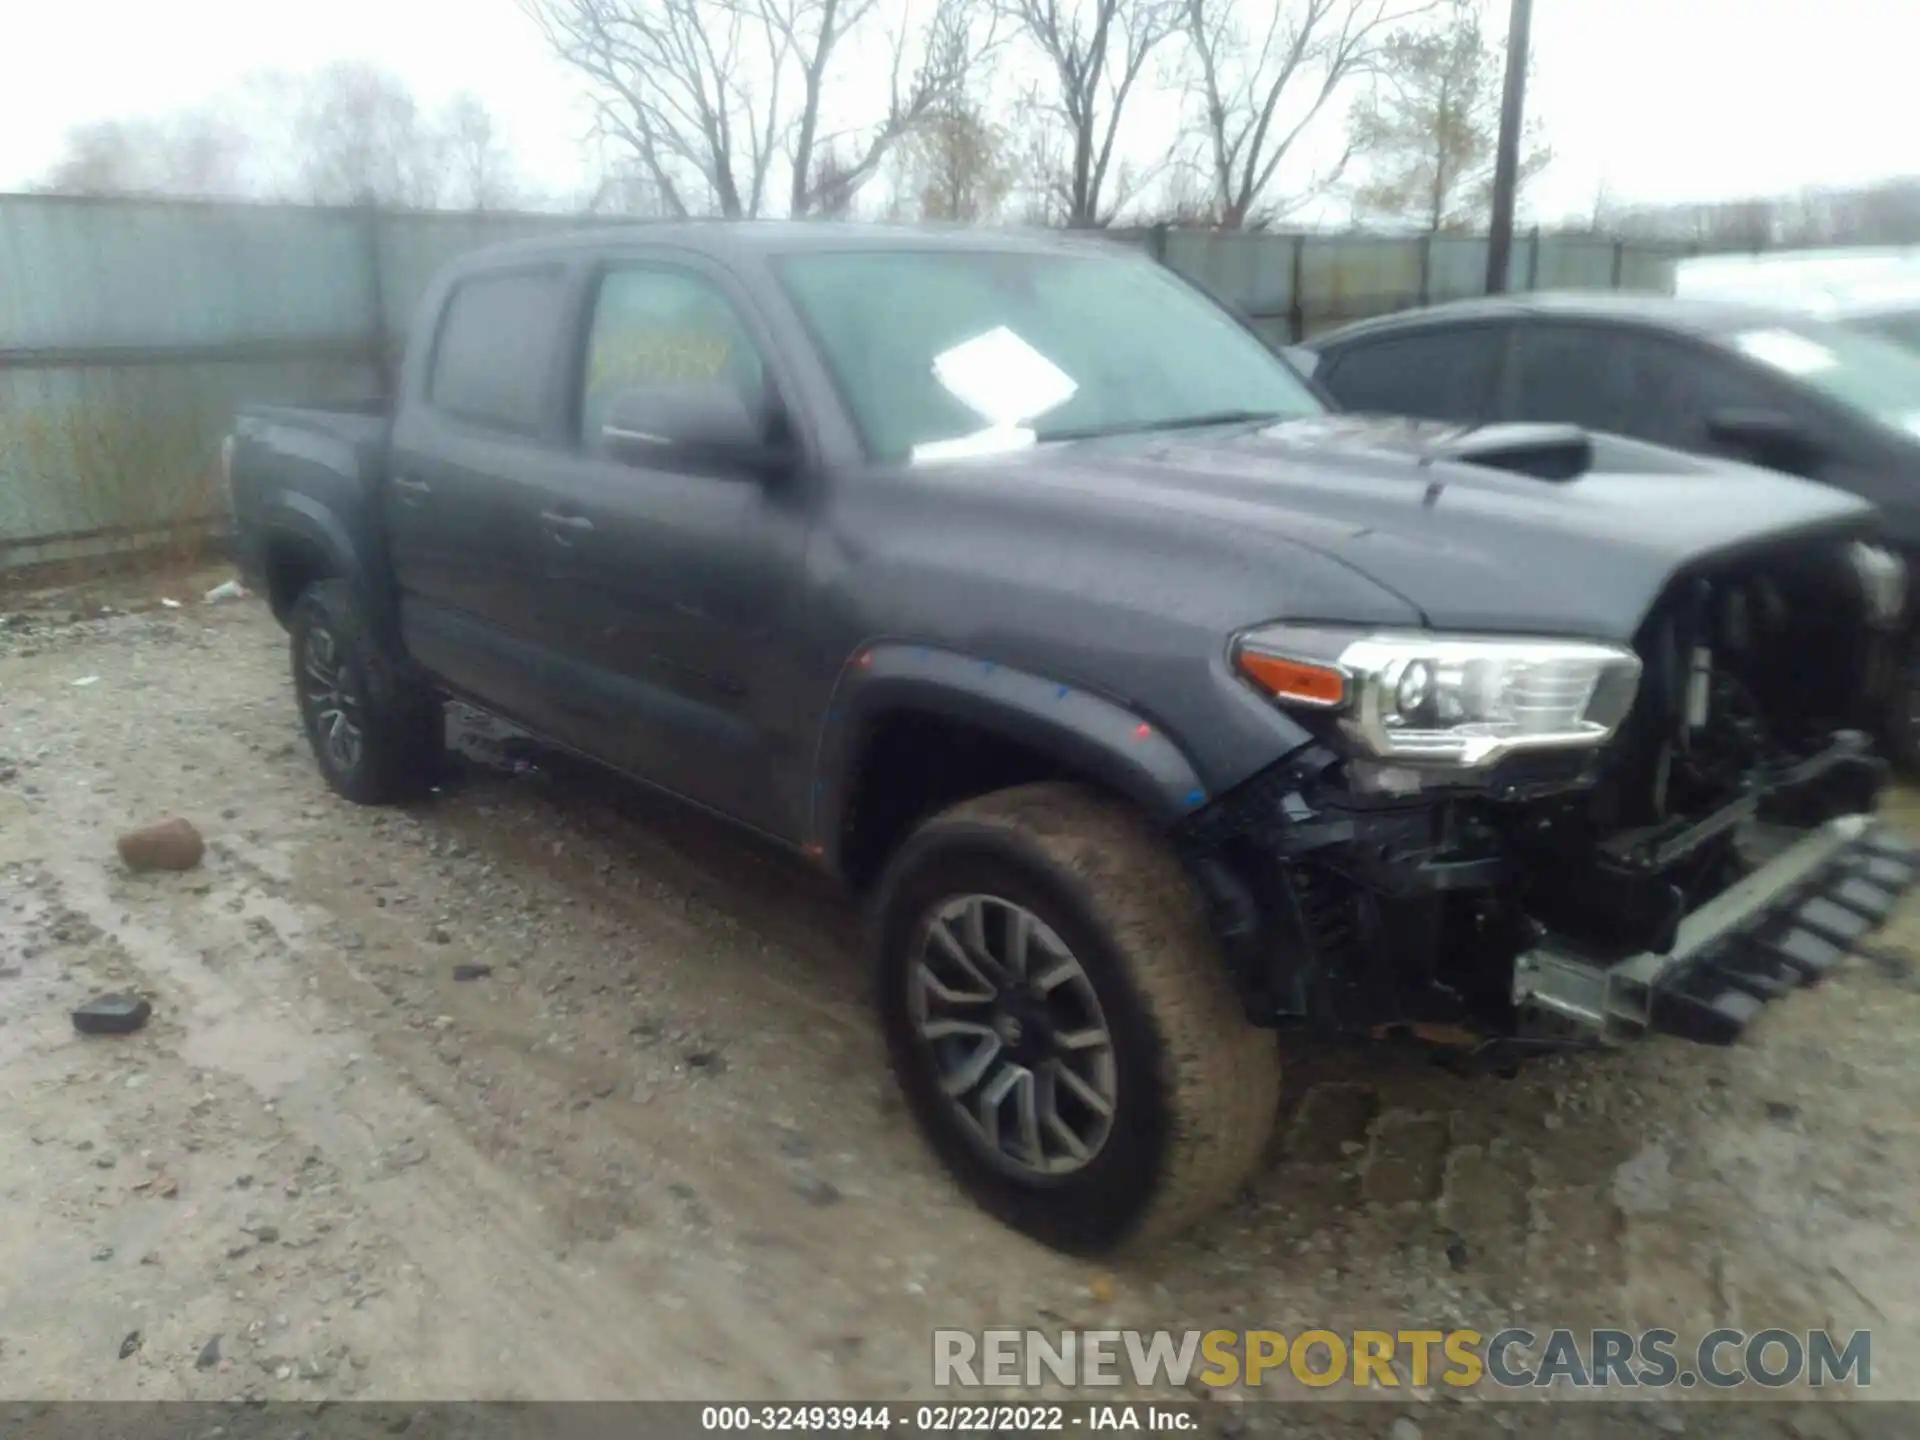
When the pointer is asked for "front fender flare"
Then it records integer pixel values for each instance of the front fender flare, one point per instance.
(1087, 733)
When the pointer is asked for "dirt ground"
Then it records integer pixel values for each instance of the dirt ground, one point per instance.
(652, 1151)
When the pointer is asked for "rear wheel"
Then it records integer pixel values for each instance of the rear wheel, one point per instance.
(1062, 1027)
(377, 732)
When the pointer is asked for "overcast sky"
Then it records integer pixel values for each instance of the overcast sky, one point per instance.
(1660, 100)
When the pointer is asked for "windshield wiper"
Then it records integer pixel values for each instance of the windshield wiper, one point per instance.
(1182, 422)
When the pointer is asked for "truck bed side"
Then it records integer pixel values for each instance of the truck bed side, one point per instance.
(304, 488)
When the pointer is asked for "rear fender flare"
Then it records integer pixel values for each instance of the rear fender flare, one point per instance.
(300, 518)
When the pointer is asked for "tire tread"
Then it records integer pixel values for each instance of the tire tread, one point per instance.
(1219, 1073)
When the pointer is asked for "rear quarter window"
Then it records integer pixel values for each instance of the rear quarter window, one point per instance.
(1434, 375)
(493, 358)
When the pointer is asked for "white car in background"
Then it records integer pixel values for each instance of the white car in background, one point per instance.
(1876, 289)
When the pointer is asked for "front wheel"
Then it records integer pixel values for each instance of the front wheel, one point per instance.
(1064, 1031)
(377, 732)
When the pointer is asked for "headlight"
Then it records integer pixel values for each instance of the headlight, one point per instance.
(1883, 581)
(1454, 700)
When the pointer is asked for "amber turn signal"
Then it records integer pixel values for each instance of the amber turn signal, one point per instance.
(1295, 680)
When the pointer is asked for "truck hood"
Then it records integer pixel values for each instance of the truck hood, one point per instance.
(1467, 546)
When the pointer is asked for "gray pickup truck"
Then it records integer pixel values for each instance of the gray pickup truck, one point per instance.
(1152, 708)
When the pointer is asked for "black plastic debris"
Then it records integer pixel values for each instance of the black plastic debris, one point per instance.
(112, 1015)
(472, 972)
(132, 1343)
(209, 1355)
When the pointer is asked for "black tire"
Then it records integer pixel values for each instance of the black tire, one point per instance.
(1196, 1086)
(401, 724)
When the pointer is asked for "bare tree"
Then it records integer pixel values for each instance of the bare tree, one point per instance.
(624, 188)
(1096, 51)
(477, 170)
(925, 71)
(1260, 85)
(106, 157)
(1187, 198)
(690, 88)
(198, 153)
(359, 138)
(1604, 215)
(1042, 162)
(1884, 214)
(710, 95)
(958, 165)
(1429, 130)
(1754, 223)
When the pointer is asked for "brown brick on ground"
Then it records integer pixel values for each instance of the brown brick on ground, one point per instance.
(171, 844)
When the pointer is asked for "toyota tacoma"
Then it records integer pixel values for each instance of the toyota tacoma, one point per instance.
(1153, 709)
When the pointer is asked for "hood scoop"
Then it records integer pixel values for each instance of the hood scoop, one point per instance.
(1544, 452)
(1540, 452)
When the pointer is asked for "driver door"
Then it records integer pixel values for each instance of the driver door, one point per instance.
(669, 594)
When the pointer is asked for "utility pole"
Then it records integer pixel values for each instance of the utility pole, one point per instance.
(1506, 162)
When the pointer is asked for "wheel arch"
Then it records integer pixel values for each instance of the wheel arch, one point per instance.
(914, 728)
(303, 542)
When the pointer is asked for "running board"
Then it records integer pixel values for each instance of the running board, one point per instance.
(1787, 925)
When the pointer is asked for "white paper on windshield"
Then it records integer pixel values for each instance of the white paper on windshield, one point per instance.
(1784, 350)
(1002, 378)
(1911, 422)
(994, 440)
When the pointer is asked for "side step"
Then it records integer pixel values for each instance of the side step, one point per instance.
(1787, 925)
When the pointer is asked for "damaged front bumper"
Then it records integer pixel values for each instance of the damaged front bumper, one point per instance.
(1452, 919)
(1785, 925)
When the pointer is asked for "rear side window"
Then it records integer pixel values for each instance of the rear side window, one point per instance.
(493, 360)
(1434, 375)
(1581, 375)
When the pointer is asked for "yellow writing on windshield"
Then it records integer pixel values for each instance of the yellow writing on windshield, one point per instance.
(658, 355)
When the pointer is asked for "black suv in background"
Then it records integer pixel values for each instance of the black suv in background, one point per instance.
(1766, 386)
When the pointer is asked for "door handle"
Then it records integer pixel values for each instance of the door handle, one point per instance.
(411, 486)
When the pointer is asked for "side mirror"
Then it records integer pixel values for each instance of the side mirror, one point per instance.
(1767, 437)
(691, 424)
(1302, 359)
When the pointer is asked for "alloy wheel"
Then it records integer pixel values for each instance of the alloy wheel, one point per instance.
(1015, 1034)
(333, 702)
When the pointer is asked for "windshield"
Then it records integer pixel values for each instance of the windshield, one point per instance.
(1865, 372)
(934, 350)
(1900, 326)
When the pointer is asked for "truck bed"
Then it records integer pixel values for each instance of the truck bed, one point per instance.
(297, 469)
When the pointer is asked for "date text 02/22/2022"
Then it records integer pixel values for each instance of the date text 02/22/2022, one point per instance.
(950, 1419)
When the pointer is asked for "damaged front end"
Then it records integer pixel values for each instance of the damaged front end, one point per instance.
(1662, 838)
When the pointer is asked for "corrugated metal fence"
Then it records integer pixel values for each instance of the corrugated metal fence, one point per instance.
(130, 330)
(1296, 286)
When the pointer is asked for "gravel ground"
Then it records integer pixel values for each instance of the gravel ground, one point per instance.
(543, 1090)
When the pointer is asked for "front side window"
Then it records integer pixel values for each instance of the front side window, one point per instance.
(494, 355)
(663, 327)
(932, 346)
(1616, 380)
